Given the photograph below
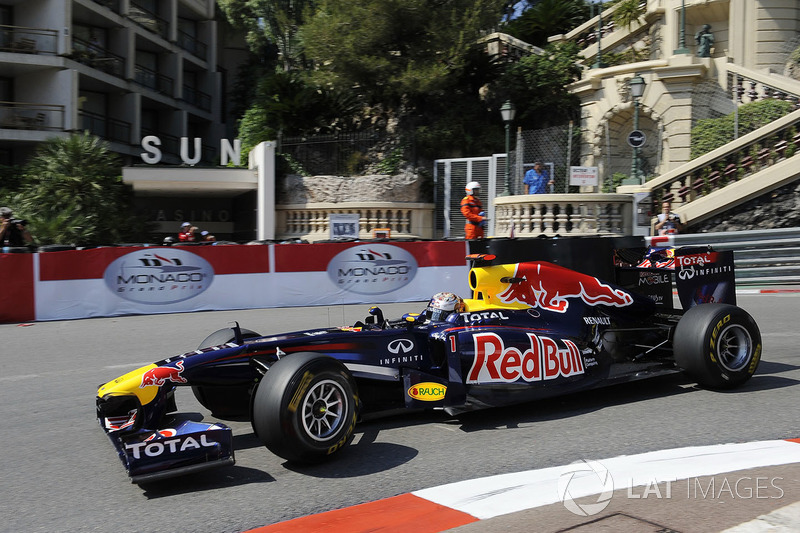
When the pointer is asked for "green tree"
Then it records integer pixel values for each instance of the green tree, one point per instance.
(394, 51)
(73, 194)
(709, 134)
(537, 85)
(548, 17)
(271, 23)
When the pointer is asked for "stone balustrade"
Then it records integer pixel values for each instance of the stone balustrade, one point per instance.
(311, 221)
(531, 215)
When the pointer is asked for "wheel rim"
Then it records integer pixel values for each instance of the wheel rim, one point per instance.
(324, 409)
(734, 348)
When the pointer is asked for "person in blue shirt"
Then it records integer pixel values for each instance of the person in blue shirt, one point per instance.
(537, 179)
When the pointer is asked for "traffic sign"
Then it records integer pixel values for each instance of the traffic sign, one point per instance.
(636, 138)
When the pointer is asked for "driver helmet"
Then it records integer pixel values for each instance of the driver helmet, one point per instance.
(473, 187)
(444, 304)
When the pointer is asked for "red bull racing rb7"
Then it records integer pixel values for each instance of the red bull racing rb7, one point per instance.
(528, 330)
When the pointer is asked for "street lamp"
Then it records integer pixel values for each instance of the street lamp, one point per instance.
(507, 111)
(682, 35)
(599, 36)
(636, 86)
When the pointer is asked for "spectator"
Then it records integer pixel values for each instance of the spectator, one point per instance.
(188, 233)
(537, 179)
(472, 209)
(13, 232)
(668, 222)
(207, 237)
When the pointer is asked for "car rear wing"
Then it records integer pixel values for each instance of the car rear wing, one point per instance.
(700, 274)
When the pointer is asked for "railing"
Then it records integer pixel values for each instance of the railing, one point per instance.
(96, 57)
(748, 85)
(111, 4)
(192, 45)
(730, 163)
(107, 128)
(196, 98)
(21, 40)
(151, 79)
(147, 19)
(311, 221)
(26, 116)
(532, 215)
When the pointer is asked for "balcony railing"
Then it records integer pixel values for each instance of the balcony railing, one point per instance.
(192, 45)
(147, 19)
(21, 40)
(107, 128)
(196, 98)
(111, 4)
(97, 57)
(311, 221)
(532, 215)
(28, 116)
(151, 79)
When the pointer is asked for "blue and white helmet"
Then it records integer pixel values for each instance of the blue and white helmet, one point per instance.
(444, 304)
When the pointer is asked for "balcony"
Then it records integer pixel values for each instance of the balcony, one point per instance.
(196, 98)
(97, 57)
(192, 45)
(152, 80)
(147, 20)
(30, 116)
(21, 40)
(110, 129)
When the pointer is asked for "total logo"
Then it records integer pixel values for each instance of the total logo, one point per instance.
(697, 259)
(159, 276)
(155, 448)
(427, 392)
(372, 269)
(544, 360)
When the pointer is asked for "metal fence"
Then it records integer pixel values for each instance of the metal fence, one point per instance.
(338, 154)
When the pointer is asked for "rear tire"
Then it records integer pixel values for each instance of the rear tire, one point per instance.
(719, 345)
(224, 401)
(305, 407)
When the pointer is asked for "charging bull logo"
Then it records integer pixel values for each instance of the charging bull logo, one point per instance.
(550, 286)
(161, 374)
(544, 360)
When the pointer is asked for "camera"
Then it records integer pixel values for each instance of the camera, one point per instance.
(673, 217)
(20, 221)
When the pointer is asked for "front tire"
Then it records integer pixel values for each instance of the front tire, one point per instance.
(719, 345)
(305, 407)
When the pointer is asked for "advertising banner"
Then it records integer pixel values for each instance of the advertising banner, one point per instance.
(151, 280)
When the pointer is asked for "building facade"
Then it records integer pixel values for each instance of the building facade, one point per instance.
(120, 69)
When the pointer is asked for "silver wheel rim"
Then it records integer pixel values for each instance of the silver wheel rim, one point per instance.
(324, 409)
(734, 348)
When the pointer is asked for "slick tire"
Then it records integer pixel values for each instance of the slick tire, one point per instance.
(305, 407)
(225, 402)
(718, 345)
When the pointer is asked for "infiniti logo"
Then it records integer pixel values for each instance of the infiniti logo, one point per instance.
(401, 345)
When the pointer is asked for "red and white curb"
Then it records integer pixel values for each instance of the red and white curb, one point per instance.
(444, 507)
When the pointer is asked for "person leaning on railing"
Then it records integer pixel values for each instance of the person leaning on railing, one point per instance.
(668, 223)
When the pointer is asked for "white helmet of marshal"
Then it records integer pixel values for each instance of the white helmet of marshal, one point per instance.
(444, 304)
(471, 186)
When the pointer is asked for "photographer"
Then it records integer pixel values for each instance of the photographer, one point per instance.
(668, 223)
(13, 232)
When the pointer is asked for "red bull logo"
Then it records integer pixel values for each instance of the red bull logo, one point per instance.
(550, 287)
(544, 360)
(161, 374)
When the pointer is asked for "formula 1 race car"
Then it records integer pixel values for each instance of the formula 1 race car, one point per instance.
(530, 330)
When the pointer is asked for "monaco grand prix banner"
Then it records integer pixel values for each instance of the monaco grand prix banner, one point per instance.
(151, 280)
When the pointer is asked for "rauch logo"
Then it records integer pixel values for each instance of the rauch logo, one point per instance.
(372, 269)
(160, 276)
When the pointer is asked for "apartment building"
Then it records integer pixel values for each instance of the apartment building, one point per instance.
(121, 69)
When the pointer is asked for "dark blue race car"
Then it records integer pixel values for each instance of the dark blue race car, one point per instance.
(529, 330)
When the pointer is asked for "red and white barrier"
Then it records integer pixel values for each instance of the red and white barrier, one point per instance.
(151, 280)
